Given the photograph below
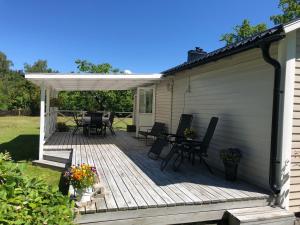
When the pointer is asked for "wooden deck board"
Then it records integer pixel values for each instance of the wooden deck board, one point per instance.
(133, 181)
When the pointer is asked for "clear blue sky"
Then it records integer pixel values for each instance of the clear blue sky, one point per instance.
(139, 35)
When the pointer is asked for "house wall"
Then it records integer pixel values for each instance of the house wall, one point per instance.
(237, 89)
(294, 202)
(163, 103)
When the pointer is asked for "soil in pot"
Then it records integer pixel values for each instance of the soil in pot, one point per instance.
(230, 171)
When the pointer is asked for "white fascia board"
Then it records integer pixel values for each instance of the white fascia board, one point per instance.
(294, 25)
(38, 76)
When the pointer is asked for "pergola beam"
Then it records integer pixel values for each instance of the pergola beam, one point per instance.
(42, 122)
(90, 82)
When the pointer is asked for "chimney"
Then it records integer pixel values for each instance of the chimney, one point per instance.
(193, 55)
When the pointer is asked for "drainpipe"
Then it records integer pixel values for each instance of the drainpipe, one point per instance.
(265, 48)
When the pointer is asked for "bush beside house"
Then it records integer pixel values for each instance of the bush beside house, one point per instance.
(26, 200)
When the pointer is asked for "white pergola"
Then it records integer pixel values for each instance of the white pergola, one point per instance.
(52, 83)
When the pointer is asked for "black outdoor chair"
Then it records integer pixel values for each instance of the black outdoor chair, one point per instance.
(193, 148)
(96, 123)
(78, 122)
(185, 122)
(157, 130)
(157, 147)
(109, 124)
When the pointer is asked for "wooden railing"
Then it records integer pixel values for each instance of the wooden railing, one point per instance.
(122, 119)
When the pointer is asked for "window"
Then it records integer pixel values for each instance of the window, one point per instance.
(146, 100)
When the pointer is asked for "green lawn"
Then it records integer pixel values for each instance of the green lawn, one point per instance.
(19, 135)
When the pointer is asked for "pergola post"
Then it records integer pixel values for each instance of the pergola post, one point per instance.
(42, 122)
(47, 117)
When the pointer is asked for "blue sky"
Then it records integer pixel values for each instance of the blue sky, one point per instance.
(143, 36)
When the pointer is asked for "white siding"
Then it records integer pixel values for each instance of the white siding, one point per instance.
(238, 90)
(294, 202)
(163, 103)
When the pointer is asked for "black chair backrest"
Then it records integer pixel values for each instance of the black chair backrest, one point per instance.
(157, 147)
(96, 119)
(158, 129)
(185, 122)
(75, 117)
(111, 118)
(209, 134)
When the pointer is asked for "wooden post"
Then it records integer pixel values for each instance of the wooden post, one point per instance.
(42, 122)
(47, 118)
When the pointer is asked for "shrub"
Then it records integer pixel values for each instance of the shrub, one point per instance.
(26, 200)
(62, 127)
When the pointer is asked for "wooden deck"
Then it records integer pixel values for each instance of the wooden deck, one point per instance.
(136, 191)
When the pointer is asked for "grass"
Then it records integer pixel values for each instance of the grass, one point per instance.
(19, 135)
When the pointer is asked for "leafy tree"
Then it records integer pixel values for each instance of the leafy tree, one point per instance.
(5, 64)
(242, 31)
(40, 66)
(290, 11)
(12, 92)
(96, 100)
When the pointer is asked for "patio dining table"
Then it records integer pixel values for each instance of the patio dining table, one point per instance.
(87, 120)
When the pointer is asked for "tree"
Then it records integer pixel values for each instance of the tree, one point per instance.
(97, 100)
(290, 11)
(5, 64)
(242, 31)
(40, 66)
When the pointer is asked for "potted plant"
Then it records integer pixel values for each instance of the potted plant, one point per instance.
(189, 133)
(231, 158)
(82, 178)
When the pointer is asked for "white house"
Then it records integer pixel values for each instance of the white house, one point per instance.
(245, 85)
(253, 86)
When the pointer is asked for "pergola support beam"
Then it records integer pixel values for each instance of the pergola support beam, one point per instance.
(42, 122)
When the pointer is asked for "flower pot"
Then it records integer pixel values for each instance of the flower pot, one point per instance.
(84, 195)
(230, 170)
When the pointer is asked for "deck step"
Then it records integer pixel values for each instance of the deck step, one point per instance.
(50, 164)
(57, 156)
(266, 215)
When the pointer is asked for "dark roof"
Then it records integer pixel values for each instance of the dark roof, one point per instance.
(245, 44)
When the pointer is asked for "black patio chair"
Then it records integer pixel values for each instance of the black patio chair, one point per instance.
(78, 122)
(110, 123)
(96, 123)
(185, 122)
(157, 147)
(157, 130)
(193, 148)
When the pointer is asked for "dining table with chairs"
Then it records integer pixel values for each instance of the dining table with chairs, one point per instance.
(94, 121)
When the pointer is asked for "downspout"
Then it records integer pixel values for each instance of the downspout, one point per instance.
(265, 48)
